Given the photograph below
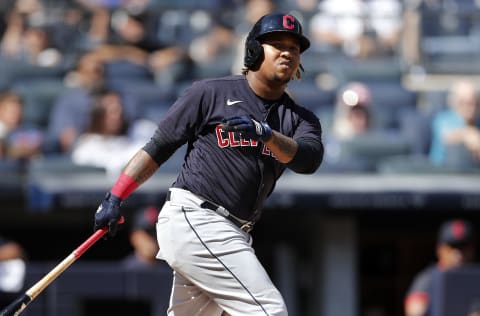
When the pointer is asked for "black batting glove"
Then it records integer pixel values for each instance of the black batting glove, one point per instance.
(248, 127)
(108, 214)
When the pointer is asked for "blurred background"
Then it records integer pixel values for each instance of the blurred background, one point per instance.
(394, 83)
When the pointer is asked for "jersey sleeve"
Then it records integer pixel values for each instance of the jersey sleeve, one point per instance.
(419, 289)
(308, 135)
(184, 120)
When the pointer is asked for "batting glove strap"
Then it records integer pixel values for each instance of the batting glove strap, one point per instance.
(263, 130)
(112, 198)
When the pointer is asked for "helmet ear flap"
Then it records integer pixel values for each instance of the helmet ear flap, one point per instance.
(253, 53)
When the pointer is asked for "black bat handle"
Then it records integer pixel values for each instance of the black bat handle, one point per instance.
(16, 306)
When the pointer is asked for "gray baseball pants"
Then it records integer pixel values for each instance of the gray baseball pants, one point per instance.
(215, 267)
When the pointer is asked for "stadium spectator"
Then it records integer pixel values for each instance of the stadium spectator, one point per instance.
(108, 135)
(70, 34)
(456, 130)
(385, 25)
(351, 119)
(143, 240)
(338, 25)
(351, 115)
(129, 32)
(70, 112)
(358, 28)
(455, 247)
(17, 140)
(213, 51)
(26, 38)
(12, 270)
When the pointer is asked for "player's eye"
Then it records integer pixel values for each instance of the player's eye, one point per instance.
(282, 46)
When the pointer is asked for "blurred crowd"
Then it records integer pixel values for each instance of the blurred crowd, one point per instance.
(85, 76)
(88, 80)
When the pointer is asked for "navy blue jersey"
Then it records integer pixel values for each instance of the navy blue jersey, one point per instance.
(220, 166)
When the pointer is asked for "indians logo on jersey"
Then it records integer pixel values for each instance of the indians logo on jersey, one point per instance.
(232, 139)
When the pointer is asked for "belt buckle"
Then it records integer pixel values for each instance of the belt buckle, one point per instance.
(247, 227)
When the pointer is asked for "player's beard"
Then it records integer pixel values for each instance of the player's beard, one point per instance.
(281, 79)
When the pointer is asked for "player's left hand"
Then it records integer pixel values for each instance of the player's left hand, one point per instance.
(248, 127)
(108, 214)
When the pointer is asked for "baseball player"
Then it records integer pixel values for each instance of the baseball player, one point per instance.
(242, 131)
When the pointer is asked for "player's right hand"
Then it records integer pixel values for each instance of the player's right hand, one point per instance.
(108, 214)
(248, 127)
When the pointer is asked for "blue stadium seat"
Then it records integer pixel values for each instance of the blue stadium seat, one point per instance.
(38, 99)
(416, 126)
(375, 70)
(363, 153)
(151, 100)
(457, 156)
(125, 70)
(12, 72)
(389, 99)
(449, 41)
(308, 94)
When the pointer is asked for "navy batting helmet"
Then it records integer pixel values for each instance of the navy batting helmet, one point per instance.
(270, 23)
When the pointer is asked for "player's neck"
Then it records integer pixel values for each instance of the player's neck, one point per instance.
(264, 88)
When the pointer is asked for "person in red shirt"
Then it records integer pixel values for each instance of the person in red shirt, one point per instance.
(455, 248)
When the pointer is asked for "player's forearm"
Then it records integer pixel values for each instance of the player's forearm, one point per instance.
(283, 147)
(137, 171)
(141, 167)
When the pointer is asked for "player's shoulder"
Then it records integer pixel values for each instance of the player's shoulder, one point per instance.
(423, 278)
(429, 270)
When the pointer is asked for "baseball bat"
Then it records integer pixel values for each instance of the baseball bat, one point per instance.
(17, 306)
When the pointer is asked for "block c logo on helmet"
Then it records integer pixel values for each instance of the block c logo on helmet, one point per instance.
(288, 22)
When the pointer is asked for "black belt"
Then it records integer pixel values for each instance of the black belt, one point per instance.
(244, 225)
